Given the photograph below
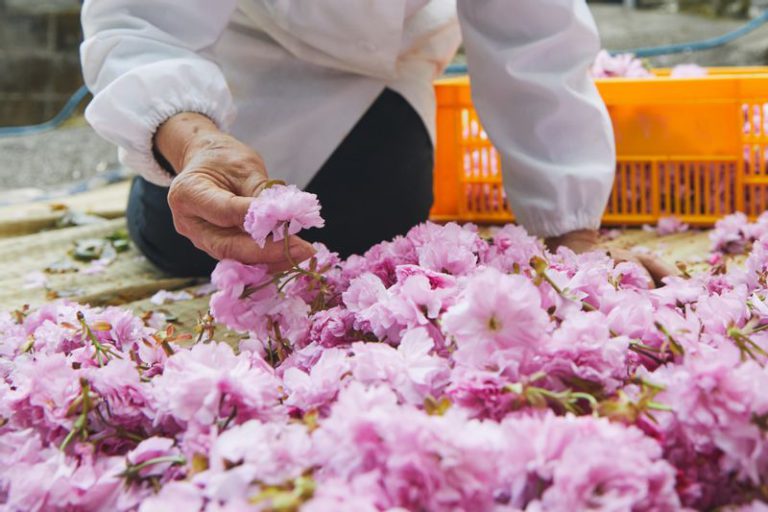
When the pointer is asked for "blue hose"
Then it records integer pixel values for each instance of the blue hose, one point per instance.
(706, 44)
(64, 114)
(656, 51)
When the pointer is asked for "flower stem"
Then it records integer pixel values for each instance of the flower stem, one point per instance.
(80, 426)
(101, 351)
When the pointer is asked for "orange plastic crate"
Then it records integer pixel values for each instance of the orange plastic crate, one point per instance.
(693, 148)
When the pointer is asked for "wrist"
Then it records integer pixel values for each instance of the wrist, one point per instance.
(181, 136)
(578, 240)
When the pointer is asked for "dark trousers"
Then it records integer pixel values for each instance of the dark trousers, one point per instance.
(377, 184)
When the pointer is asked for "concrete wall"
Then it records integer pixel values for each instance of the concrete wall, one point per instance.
(39, 64)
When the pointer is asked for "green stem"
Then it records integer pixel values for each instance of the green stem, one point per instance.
(101, 351)
(173, 459)
(539, 267)
(287, 248)
(80, 426)
(248, 291)
(640, 349)
(674, 346)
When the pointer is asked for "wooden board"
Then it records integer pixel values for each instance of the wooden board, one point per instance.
(29, 218)
(129, 278)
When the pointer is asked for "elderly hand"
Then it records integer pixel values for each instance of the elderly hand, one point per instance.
(217, 178)
(589, 240)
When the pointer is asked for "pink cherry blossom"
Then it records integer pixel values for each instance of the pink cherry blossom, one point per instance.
(688, 71)
(281, 210)
(497, 317)
(318, 387)
(244, 293)
(451, 249)
(209, 381)
(620, 65)
(411, 369)
(670, 225)
(731, 234)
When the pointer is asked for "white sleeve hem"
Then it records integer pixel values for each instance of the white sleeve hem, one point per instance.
(142, 159)
(130, 109)
(545, 226)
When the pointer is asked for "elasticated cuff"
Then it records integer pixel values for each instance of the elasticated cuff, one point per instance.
(545, 225)
(129, 111)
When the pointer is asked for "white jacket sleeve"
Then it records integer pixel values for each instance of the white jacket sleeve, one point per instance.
(144, 61)
(528, 61)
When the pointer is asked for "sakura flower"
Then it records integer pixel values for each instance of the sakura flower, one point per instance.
(166, 297)
(498, 318)
(64, 484)
(418, 462)
(119, 384)
(601, 466)
(332, 327)
(483, 393)
(688, 71)
(714, 398)
(339, 495)
(245, 294)
(583, 347)
(44, 389)
(410, 368)
(630, 275)
(756, 266)
(450, 249)
(154, 456)
(731, 234)
(279, 211)
(179, 495)
(382, 260)
(621, 65)
(670, 225)
(719, 312)
(364, 292)
(630, 313)
(267, 453)
(210, 381)
(320, 385)
(512, 247)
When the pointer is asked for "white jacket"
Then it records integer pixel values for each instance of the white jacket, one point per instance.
(301, 73)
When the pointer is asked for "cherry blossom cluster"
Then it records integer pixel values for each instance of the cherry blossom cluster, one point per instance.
(444, 370)
(735, 234)
(626, 65)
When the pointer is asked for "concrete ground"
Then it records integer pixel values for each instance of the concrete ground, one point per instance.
(622, 29)
(75, 153)
(48, 160)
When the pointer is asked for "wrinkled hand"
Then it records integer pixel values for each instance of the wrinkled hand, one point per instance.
(217, 178)
(589, 240)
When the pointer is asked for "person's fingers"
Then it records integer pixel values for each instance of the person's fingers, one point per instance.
(624, 256)
(231, 243)
(206, 200)
(656, 267)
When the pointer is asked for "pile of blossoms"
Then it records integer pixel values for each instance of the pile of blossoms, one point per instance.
(440, 371)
